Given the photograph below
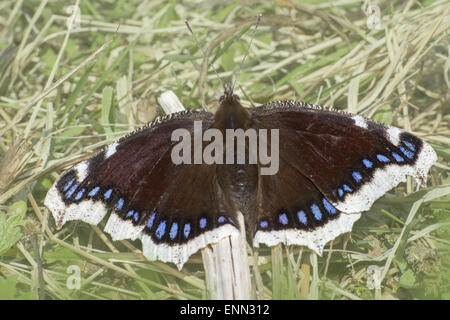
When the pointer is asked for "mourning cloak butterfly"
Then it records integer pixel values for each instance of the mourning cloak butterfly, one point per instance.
(332, 166)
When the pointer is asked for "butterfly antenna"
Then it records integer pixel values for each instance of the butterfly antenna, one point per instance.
(248, 49)
(201, 49)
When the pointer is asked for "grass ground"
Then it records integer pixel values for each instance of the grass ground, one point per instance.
(65, 94)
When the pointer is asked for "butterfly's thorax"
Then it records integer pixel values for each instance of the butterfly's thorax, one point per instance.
(241, 179)
(231, 115)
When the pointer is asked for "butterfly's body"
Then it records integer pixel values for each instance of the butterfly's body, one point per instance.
(231, 114)
(332, 166)
(239, 181)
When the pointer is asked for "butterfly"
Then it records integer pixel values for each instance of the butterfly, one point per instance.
(332, 166)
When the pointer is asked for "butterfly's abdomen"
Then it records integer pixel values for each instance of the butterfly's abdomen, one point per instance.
(239, 182)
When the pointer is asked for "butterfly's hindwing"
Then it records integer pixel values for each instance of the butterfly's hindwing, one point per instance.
(297, 213)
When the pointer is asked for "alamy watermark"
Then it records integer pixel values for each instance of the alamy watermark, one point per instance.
(235, 151)
(74, 280)
(373, 13)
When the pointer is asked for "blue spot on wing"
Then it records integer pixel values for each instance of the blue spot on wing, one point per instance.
(302, 217)
(357, 176)
(340, 192)
(107, 194)
(264, 224)
(367, 163)
(283, 218)
(316, 211)
(94, 191)
(173, 230)
(221, 219)
(202, 222)
(130, 213)
(347, 188)
(119, 204)
(161, 230)
(72, 190)
(409, 145)
(68, 184)
(397, 157)
(187, 230)
(80, 194)
(382, 158)
(328, 206)
(150, 221)
(406, 152)
(136, 216)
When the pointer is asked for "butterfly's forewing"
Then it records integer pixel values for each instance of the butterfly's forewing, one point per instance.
(330, 161)
(292, 210)
(174, 209)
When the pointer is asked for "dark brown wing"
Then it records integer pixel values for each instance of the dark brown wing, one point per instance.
(330, 161)
(175, 209)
